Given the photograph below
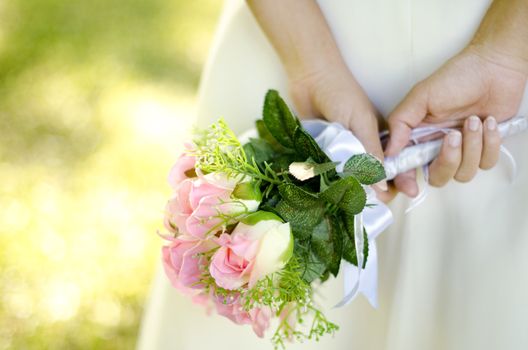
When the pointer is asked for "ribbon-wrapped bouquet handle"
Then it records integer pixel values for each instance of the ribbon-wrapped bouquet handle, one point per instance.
(423, 153)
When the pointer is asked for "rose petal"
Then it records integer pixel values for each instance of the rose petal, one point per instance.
(178, 171)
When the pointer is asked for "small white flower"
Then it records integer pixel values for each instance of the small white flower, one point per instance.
(302, 170)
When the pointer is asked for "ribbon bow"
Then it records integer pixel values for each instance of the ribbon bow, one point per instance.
(340, 144)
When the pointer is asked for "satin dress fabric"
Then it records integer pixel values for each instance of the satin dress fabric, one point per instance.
(453, 272)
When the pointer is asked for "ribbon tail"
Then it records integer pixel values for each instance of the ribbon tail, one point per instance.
(366, 284)
(351, 283)
(512, 162)
(352, 280)
(359, 241)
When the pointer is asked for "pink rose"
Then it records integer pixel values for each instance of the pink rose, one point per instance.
(231, 308)
(259, 318)
(183, 168)
(259, 245)
(232, 264)
(204, 205)
(182, 262)
(171, 218)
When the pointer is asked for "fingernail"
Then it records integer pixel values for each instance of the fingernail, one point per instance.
(454, 138)
(474, 123)
(491, 123)
(382, 185)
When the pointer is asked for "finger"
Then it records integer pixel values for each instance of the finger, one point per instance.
(406, 183)
(407, 115)
(492, 142)
(386, 196)
(471, 149)
(444, 167)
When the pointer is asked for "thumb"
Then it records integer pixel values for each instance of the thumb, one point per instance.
(405, 117)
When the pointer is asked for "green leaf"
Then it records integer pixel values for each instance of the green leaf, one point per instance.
(306, 147)
(347, 194)
(327, 244)
(302, 209)
(337, 242)
(247, 191)
(281, 161)
(322, 242)
(365, 248)
(312, 267)
(302, 220)
(325, 167)
(365, 167)
(325, 276)
(349, 247)
(265, 134)
(259, 149)
(298, 197)
(349, 251)
(279, 120)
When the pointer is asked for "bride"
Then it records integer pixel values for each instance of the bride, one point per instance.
(453, 271)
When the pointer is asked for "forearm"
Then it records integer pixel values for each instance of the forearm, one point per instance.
(299, 33)
(504, 31)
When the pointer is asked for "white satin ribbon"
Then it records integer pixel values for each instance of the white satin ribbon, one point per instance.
(340, 144)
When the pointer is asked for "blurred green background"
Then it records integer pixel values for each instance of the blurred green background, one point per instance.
(95, 99)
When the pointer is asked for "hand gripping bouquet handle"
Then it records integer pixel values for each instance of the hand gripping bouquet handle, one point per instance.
(421, 154)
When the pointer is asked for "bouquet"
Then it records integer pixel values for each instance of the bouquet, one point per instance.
(253, 224)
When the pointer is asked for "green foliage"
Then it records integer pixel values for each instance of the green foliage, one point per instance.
(302, 220)
(318, 327)
(247, 190)
(298, 197)
(278, 289)
(266, 135)
(300, 208)
(349, 250)
(279, 120)
(366, 168)
(318, 209)
(324, 167)
(306, 146)
(347, 194)
(311, 266)
(327, 244)
(266, 150)
(218, 150)
(259, 150)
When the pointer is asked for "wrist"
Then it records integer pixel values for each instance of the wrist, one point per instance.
(311, 63)
(500, 55)
(502, 36)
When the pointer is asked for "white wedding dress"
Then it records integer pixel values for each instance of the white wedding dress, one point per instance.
(453, 274)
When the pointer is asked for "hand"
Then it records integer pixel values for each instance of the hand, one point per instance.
(478, 82)
(334, 94)
(320, 82)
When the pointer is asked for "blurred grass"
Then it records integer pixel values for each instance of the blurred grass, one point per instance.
(95, 99)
